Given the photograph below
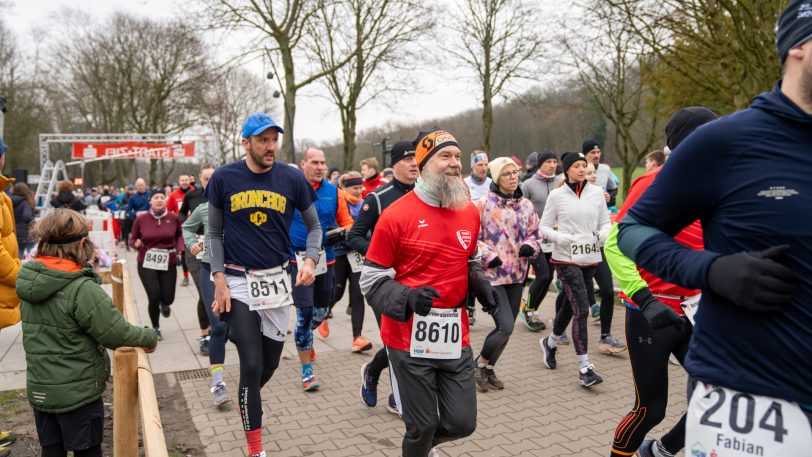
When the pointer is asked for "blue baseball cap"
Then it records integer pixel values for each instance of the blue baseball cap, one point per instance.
(258, 123)
(3, 146)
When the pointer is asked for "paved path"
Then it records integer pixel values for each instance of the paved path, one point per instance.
(540, 412)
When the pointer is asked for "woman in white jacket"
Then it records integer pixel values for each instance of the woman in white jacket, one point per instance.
(578, 210)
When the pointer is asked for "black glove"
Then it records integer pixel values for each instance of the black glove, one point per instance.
(335, 236)
(526, 251)
(658, 314)
(753, 280)
(496, 262)
(421, 299)
(483, 291)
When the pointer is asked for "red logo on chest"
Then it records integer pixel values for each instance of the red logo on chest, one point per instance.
(464, 237)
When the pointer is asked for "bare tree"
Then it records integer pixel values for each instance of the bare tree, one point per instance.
(501, 41)
(232, 97)
(612, 67)
(717, 53)
(377, 37)
(284, 22)
(130, 75)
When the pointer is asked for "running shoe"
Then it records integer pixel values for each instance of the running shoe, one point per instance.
(220, 394)
(203, 345)
(587, 376)
(5, 450)
(434, 452)
(324, 329)
(369, 387)
(494, 382)
(309, 382)
(349, 310)
(534, 323)
(158, 333)
(166, 310)
(361, 344)
(392, 405)
(610, 345)
(481, 378)
(596, 312)
(259, 454)
(652, 448)
(549, 353)
(185, 281)
(6, 438)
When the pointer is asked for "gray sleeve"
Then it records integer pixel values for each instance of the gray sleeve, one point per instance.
(311, 221)
(214, 240)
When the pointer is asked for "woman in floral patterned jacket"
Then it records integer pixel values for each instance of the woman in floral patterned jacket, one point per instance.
(508, 239)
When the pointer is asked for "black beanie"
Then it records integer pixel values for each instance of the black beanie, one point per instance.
(545, 155)
(569, 158)
(401, 150)
(685, 121)
(588, 146)
(794, 27)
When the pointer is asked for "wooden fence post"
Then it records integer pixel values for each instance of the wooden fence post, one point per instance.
(125, 402)
(117, 278)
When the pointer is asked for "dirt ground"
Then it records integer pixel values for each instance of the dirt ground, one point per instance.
(181, 437)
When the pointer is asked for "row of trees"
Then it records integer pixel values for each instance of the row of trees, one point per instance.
(622, 67)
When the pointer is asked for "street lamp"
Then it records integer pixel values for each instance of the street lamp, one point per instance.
(276, 94)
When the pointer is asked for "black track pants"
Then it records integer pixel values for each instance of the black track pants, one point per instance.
(160, 288)
(510, 296)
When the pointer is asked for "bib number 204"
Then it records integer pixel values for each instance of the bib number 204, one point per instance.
(434, 332)
(772, 420)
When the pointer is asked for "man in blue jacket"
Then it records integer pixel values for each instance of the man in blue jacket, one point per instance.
(750, 186)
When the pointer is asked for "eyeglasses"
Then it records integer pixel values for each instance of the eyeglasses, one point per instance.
(509, 174)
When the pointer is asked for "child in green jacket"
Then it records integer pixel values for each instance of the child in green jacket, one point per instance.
(68, 320)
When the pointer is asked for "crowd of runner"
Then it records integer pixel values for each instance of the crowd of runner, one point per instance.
(709, 251)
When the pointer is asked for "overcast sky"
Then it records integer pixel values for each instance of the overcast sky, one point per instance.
(440, 94)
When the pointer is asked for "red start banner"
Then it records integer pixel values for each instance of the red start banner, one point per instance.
(132, 150)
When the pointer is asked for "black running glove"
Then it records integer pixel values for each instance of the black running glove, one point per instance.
(482, 289)
(658, 314)
(526, 251)
(496, 262)
(421, 299)
(754, 281)
(334, 236)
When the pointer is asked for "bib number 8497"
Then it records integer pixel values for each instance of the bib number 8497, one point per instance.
(433, 332)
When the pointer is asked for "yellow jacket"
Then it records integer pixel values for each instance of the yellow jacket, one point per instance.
(9, 261)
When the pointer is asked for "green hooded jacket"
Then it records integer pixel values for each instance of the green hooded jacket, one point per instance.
(67, 321)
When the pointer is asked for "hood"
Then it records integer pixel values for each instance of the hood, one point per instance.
(16, 200)
(777, 104)
(65, 196)
(36, 283)
(517, 195)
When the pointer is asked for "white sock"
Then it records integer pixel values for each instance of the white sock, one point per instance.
(479, 363)
(489, 367)
(553, 340)
(583, 361)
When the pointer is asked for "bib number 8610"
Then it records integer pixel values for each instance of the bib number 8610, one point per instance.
(432, 332)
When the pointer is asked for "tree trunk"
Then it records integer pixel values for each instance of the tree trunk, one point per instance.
(153, 172)
(288, 150)
(487, 120)
(348, 132)
(628, 174)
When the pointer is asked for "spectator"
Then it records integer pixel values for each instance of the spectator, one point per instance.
(9, 260)
(65, 198)
(655, 159)
(23, 201)
(372, 179)
(92, 199)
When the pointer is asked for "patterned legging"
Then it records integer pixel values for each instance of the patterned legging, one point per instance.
(574, 280)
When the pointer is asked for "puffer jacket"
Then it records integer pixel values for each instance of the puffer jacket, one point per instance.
(65, 199)
(574, 215)
(68, 321)
(506, 223)
(9, 261)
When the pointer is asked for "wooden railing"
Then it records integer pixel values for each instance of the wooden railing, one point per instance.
(133, 385)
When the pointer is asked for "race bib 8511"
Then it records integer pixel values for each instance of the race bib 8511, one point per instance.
(269, 288)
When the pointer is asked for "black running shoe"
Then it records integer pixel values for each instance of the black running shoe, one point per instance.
(549, 353)
(588, 377)
(166, 310)
(481, 376)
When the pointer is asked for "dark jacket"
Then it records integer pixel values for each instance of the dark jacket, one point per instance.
(374, 204)
(68, 321)
(23, 216)
(191, 201)
(66, 199)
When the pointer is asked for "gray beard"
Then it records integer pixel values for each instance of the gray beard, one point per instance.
(450, 191)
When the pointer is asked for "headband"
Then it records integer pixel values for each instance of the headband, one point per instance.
(349, 182)
(68, 240)
(478, 158)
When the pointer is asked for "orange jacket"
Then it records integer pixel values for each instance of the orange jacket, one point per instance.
(9, 261)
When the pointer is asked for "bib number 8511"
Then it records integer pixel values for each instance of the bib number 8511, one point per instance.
(263, 288)
(432, 332)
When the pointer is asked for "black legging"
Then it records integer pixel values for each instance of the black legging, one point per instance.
(603, 276)
(510, 297)
(343, 273)
(259, 358)
(56, 450)
(160, 288)
(541, 283)
(194, 265)
(183, 263)
(574, 279)
(649, 350)
(381, 360)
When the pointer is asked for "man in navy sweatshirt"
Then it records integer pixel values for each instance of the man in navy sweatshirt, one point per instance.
(750, 184)
(139, 201)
